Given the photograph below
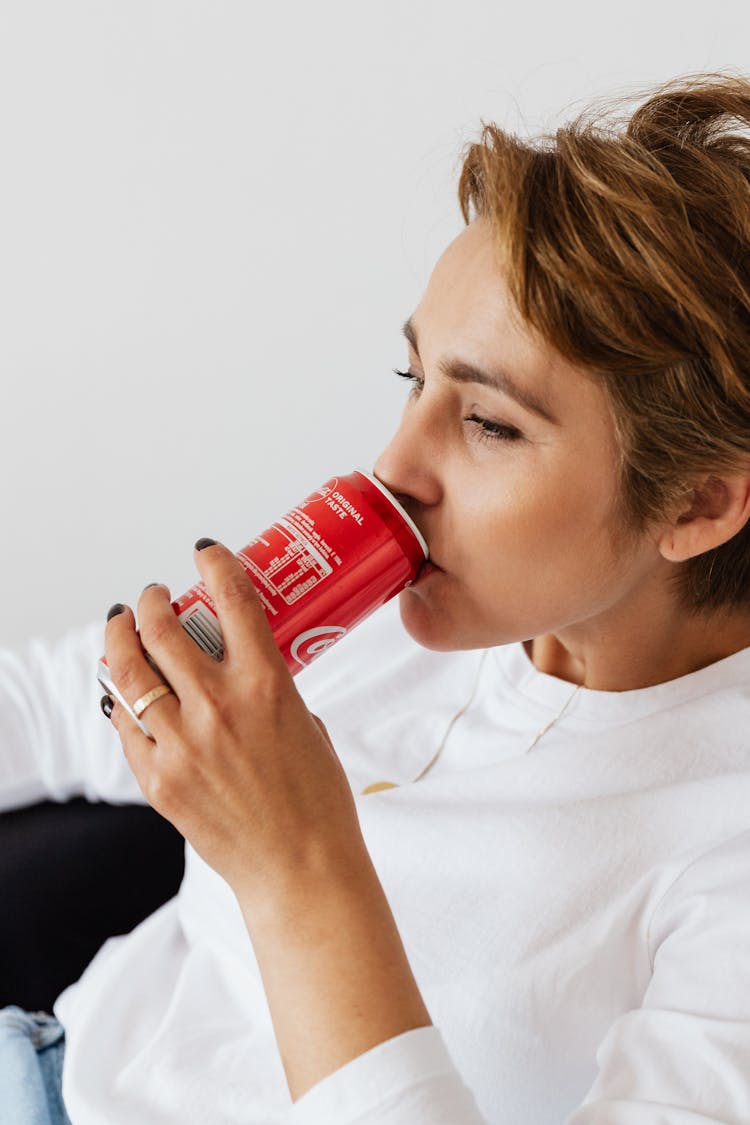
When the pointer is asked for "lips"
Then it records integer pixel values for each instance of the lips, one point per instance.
(428, 567)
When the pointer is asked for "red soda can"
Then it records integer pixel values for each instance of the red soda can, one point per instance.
(319, 570)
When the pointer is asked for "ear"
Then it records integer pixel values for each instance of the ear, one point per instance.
(720, 508)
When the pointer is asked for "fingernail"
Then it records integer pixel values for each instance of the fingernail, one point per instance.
(117, 608)
(151, 584)
(205, 543)
(107, 704)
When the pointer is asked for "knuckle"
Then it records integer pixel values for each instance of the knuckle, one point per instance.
(167, 782)
(322, 728)
(214, 711)
(160, 793)
(271, 689)
(126, 676)
(209, 708)
(234, 589)
(155, 632)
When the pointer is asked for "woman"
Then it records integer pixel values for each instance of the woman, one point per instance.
(545, 917)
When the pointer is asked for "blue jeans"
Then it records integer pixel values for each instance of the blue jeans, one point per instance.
(31, 1057)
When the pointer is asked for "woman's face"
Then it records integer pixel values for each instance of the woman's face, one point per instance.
(517, 499)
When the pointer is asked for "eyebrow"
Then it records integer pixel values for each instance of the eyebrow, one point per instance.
(458, 371)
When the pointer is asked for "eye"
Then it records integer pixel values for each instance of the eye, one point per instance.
(494, 431)
(417, 382)
(486, 430)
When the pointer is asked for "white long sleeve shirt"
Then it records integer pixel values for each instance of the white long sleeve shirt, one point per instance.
(577, 915)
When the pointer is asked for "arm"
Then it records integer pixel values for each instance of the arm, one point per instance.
(249, 776)
(683, 1056)
(244, 770)
(334, 969)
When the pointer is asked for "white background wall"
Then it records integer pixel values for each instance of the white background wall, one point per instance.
(215, 215)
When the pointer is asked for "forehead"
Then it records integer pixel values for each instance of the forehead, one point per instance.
(467, 312)
(467, 299)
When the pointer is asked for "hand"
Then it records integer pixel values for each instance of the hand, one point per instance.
(237, 762)
(250, 778)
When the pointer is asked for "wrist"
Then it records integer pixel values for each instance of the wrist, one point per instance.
(334, 968)
(297, 901)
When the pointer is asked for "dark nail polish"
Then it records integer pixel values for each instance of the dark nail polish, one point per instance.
(205, 543)
(117, 608)
(107, 704)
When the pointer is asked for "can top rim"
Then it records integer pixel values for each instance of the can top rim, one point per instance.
(402, 512)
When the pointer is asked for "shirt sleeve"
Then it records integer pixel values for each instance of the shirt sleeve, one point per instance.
(55, 743)
(684, 1055)
(408, 1080)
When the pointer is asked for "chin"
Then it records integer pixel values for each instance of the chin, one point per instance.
(444, 626)
(426, 625)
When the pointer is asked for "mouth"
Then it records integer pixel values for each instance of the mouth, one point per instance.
(427, 568)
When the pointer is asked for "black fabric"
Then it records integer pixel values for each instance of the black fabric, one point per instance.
(72, 875)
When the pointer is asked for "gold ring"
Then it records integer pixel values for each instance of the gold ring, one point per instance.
(146, 700)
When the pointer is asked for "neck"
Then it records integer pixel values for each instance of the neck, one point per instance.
(607, 655)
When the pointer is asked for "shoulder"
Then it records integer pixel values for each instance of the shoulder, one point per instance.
(704, 918)
(682, 1055)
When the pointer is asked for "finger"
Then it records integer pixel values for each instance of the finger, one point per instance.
(177, 657)
(140, 751)
(248, 639)
(131, 673)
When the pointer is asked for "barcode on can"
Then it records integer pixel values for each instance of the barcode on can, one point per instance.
(203, 627)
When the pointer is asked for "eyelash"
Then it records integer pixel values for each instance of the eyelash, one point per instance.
(488, 431)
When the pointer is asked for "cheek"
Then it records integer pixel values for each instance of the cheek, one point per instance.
(557, 536)
(541, 514)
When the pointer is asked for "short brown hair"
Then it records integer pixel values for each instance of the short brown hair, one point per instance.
(627, 246)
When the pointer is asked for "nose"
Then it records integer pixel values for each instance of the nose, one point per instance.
(409, 467)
